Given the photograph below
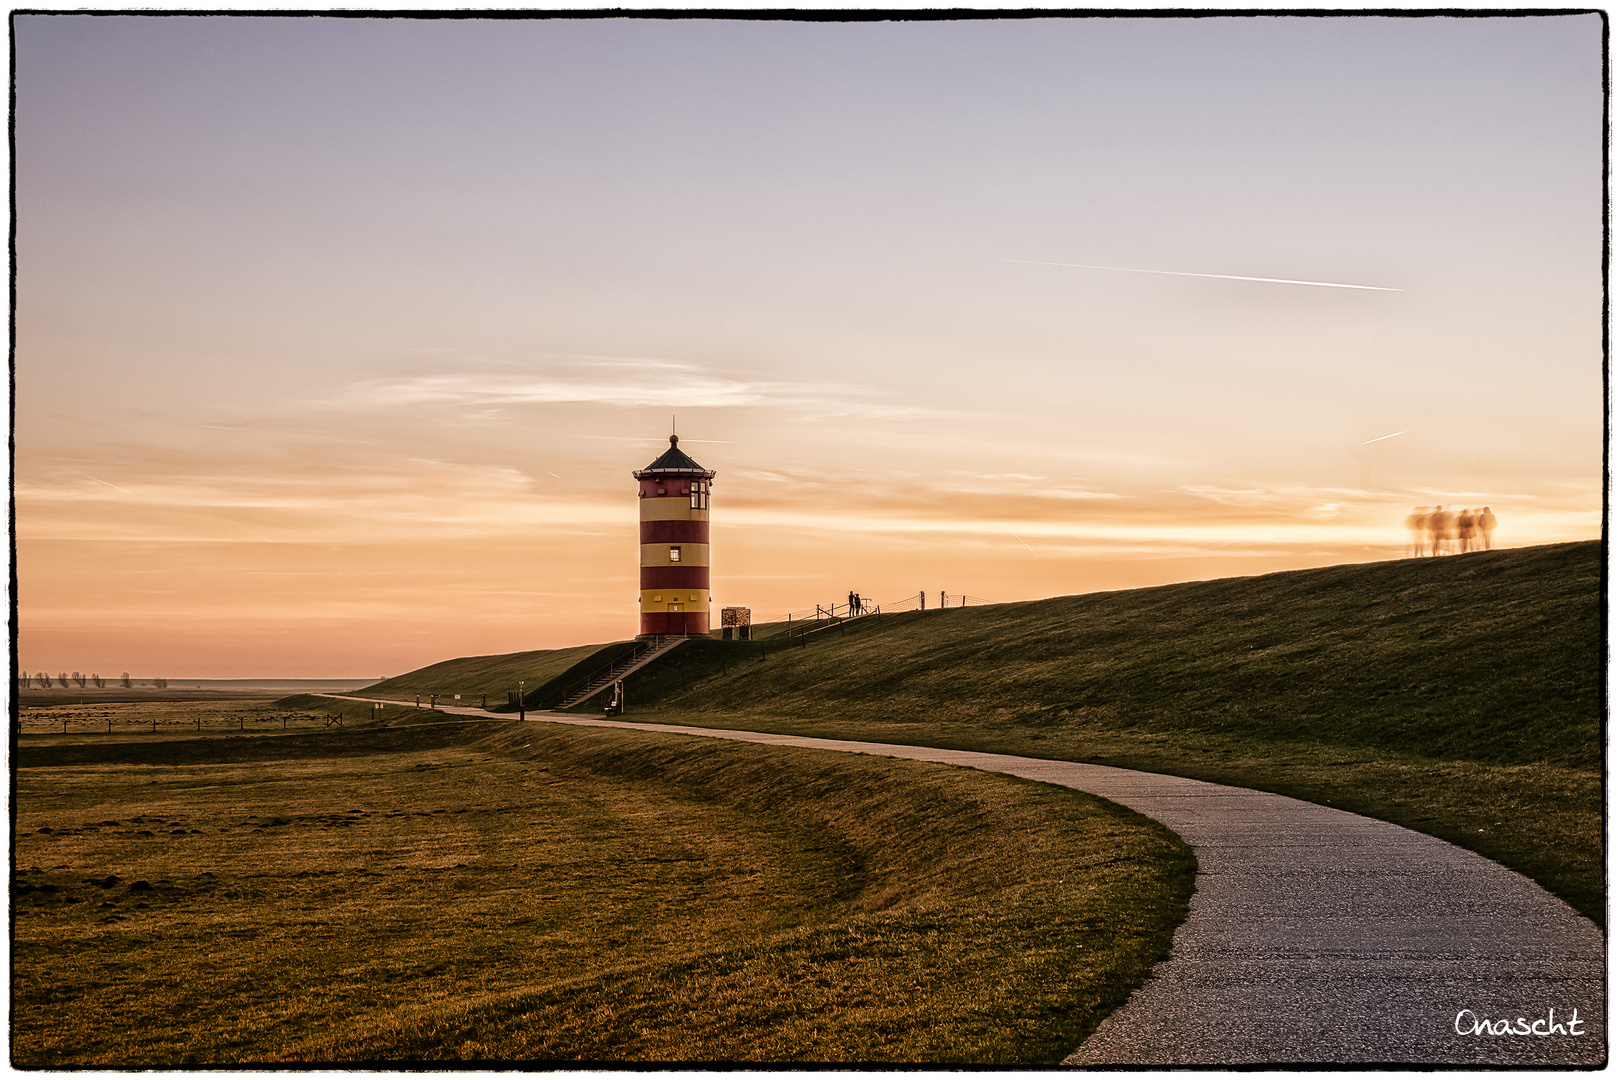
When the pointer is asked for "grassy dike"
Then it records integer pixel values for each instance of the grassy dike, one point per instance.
(496, 891)
(1460, 696)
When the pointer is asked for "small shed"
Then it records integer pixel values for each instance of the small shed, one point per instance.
(736, 623)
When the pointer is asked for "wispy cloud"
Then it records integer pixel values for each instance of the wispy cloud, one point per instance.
(1188, 273)
(404, 501)
(623, 382)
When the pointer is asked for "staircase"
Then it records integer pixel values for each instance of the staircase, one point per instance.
(644, 654)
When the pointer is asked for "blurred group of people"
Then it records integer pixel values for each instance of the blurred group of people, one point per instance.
(1436, 531)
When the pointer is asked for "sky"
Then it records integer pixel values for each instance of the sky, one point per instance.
(337, 340)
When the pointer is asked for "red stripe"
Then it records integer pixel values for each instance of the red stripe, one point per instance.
(674, 532)
(674, 577)
(674, 622)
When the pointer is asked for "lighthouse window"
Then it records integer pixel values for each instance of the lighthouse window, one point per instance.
(674, 554)
(699, 495)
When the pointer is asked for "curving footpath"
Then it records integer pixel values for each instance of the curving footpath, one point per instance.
(1317, 936)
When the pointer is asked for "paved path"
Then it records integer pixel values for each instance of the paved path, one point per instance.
(1319, 936)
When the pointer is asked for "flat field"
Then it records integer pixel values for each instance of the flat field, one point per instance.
(140, 720)
(497, 891)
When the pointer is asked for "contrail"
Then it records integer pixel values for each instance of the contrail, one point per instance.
(244, 529)
(1187, 273)
(98, 480)
(1024, 543)
(1379, 438)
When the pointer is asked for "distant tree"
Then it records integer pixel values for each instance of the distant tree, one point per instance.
(80, 678)
(42, 679)
(61, 677)
(99, 681)
(161, 684)
(126, 680)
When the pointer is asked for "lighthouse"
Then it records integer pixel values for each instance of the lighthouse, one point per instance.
(674, 596)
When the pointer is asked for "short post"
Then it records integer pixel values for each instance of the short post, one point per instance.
(154, 725)
(434, 703)
(522, 706)
(109, 725)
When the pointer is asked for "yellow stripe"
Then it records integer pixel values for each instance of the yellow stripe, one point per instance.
(658, 555)
(661, 599)
(655, 509)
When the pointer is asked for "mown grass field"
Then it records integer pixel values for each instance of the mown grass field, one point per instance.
(443, 890)
(1461, 696)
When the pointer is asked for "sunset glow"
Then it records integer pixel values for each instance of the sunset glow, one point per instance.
(338, 340)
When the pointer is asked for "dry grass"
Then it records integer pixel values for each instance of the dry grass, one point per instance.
(141, 721)
(1459, 696)
(499, 891)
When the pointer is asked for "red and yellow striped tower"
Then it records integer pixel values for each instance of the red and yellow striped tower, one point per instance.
(674, 595)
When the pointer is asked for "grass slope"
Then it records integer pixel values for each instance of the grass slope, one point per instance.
(474, 676)
(497, 891)
(1461, 696)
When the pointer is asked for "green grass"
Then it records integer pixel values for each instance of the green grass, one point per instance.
(1460, 696)
(497, 891)
(473, 677)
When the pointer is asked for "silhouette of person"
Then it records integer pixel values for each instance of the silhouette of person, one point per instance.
(1417, 524)
(1439, 525)
(1485, 526)
(859, 604)
(1463, 529)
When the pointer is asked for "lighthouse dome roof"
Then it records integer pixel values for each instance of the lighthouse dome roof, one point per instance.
(676, 461)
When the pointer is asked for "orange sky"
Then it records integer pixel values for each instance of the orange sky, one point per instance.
(342, 374)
